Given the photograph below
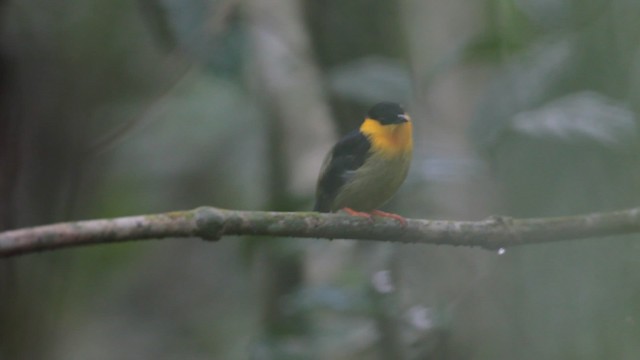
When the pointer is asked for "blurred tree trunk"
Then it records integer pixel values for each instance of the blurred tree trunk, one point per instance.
(287, 85)
(55, 76)
(346, 31)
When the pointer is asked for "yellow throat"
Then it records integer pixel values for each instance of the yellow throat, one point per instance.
(389, 140)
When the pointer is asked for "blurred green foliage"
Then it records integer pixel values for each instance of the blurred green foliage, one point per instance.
(526, 108)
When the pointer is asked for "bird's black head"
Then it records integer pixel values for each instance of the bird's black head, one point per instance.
(388, 113)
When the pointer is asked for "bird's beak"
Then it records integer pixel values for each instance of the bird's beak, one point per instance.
(404, 117)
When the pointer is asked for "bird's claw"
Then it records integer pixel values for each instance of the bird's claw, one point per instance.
(352, 212)
(379, 213)
(396, 217)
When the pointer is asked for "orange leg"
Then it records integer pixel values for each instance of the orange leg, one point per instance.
(352, 212)
(396, 217)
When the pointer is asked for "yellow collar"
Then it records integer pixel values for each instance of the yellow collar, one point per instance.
(390, 140)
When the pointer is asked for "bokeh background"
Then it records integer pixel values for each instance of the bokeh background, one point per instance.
(526, 108)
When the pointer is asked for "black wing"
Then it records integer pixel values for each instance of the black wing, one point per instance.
(345, 157)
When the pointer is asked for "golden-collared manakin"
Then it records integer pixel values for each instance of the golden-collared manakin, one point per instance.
(368, 165)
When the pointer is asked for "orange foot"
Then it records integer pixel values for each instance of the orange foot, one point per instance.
(352, 212)
(396, 217)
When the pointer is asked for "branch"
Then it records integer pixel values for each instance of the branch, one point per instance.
(212, 223)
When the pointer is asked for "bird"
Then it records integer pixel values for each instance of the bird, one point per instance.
(366, 167)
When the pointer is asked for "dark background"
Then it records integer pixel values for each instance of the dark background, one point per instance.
(526, 108)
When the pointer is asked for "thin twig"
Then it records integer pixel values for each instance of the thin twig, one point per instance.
(212, 223)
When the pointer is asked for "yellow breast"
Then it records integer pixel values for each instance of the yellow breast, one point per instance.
(388, 140)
